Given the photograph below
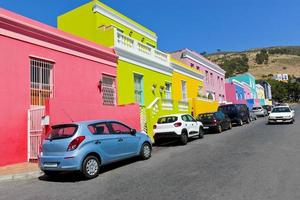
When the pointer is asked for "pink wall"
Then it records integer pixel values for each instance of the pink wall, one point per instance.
(60, 111)
(247, 92)
(14, 91)
(78, 67)
(211, 82)
(230, 92)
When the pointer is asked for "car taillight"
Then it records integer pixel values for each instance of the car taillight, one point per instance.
(154, 126)
(178, 124)
(214, 121)
(75, 143)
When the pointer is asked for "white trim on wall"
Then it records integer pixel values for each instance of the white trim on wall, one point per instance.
(187, 72)
(141, 61)
(98, 8)
(189, 55)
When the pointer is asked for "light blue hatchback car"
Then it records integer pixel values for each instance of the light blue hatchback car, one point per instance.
(85, 146)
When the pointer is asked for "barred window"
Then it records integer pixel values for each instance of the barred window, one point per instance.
(108, 90)
(41, 81)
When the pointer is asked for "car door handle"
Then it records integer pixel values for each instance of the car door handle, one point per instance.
(120, 140)
(98, 142)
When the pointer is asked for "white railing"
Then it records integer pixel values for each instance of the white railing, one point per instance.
(154, 106)
(183, 106)
(127, 43)
(35, 131)
(167, 104)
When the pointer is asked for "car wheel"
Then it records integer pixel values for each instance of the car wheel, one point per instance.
(146, 150)
(240, 122)
(184, 138)
(201, 133)
(51, 173)
(157, 142)
(219, 129)
(248, 120)
(90, 167)
(230, 125)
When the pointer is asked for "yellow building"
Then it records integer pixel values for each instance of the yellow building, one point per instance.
(188, 88)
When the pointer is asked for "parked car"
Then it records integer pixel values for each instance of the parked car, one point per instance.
(216, 121)
(281, 114)
(259, 111)
(238, 113)
(268, 108)
(85, 146)
(252, 116)
(180, 126)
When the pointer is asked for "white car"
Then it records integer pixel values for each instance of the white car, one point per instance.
(178, 126)
(260, 111)
(281, 114)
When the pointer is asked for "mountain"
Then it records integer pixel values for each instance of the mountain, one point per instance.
(261, 62)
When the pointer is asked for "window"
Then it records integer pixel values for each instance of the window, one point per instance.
(183, 90)
(138, 89)
(118, 128)
(166, 120)
(200, 91)
(185, 118)
(108, 90)
(212, 79)
(168, 90)
(41, 81)
(190, 118)
(98, 129)
(61, 132)
(206, 77)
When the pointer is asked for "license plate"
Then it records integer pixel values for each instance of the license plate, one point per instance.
(279, 120)
(205, 127)
(50, 165)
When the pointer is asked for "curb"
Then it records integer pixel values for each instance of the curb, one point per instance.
(21, 176)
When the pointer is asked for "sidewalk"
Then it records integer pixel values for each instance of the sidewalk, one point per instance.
(19, 171)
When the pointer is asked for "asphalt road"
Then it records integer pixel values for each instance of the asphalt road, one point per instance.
(256, 161)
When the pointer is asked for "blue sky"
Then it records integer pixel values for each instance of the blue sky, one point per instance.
(197, 24)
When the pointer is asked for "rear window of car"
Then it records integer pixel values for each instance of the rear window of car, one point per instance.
(61, 132)
(281, 109)
(256, 108)
(166, 120)
(209, 116)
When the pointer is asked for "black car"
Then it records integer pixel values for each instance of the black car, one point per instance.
(238, 113)
(268, 108)
(216, 121)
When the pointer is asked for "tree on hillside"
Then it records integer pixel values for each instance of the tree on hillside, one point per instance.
(235, 65)
(262, 57)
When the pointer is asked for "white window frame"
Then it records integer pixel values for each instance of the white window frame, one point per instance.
(108, 90)
(184, 90)
(41, 81)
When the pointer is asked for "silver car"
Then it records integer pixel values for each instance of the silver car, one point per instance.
(260, 111)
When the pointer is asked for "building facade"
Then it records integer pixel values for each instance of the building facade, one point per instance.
(51, 77)
(214, 75)
(249, 82)
(145, 75)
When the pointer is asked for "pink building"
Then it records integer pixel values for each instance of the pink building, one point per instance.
(49, 77)
(214, 75)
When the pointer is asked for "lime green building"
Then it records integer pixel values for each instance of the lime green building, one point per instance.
(144, 73)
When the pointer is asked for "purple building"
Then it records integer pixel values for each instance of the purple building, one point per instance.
(214, 75)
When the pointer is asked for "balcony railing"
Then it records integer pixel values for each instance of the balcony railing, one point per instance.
(167, 104)
(131, 45)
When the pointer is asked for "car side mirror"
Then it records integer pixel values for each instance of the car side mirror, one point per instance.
(132, 131)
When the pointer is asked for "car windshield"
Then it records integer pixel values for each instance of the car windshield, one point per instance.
(61, 131)
(166, 120)
(281, 110)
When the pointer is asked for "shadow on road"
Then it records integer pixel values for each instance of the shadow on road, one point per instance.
(77, 176)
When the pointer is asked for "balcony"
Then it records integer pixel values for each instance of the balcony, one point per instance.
(132, 46)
